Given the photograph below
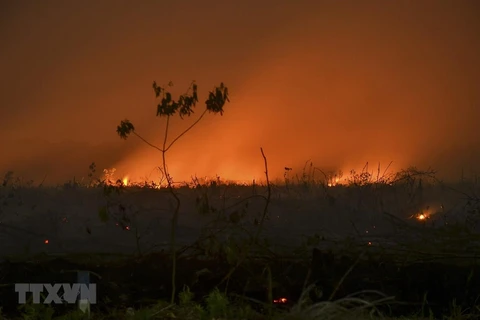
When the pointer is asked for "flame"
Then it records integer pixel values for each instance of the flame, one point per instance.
(334, 182)
(280, 301)
(427, 213)
(125, 181)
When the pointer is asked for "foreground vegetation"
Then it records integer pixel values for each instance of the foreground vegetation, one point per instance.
(428, 272)
(217, 306)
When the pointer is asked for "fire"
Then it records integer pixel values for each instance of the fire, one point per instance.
(280, 301)
(426, 213)
(333, 182)
(125, 181)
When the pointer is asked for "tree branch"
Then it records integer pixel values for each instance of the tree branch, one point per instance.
(186, 130)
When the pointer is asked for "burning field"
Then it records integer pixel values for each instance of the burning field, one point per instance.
(189, 202)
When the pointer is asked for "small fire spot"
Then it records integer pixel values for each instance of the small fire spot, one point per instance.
(280, 301)
(46, 241)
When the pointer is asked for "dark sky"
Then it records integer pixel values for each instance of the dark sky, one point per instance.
(337, 82)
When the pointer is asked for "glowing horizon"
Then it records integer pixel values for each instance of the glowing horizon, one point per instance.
(337, 83)
(314, 174)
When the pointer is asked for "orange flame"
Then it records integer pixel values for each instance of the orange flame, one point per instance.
(280, 301)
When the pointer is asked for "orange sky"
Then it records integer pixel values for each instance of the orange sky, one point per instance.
(337, 82)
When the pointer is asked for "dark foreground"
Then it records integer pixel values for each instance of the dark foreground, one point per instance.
(431, 286)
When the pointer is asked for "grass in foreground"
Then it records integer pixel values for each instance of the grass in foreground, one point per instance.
(217, 306)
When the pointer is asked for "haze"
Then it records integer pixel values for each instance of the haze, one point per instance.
(336, 82)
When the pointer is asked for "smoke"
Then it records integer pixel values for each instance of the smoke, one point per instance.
(337, 83)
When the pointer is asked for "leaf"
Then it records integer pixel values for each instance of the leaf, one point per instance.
(125, 128)
(103, 214)
(202, 272)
